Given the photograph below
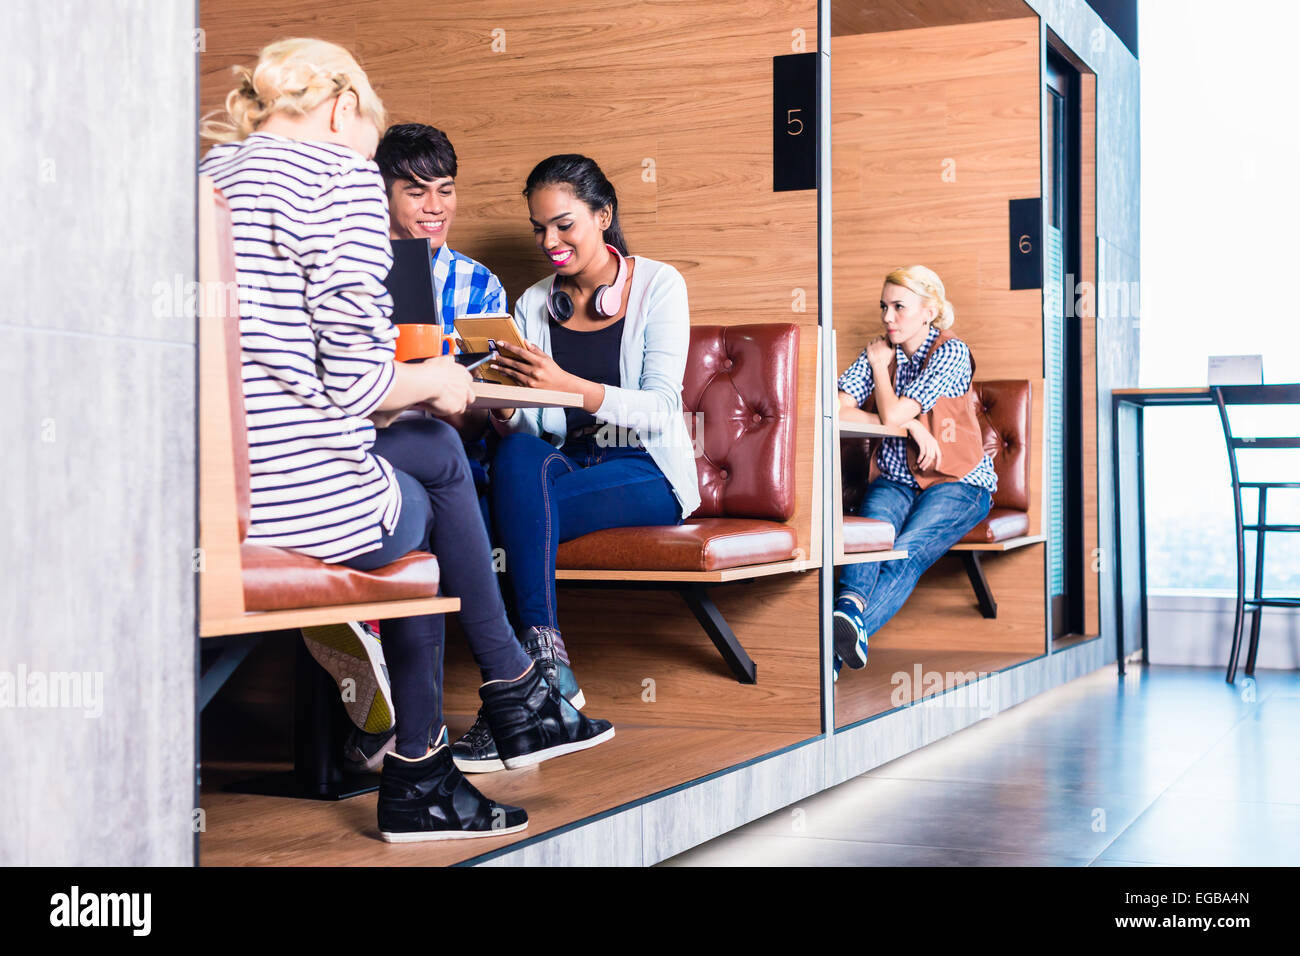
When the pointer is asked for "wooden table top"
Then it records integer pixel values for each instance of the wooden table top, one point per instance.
(868, 430)
(492, 395)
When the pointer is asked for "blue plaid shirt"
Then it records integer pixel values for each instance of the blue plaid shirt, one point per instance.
(948, 375)
(464, 287)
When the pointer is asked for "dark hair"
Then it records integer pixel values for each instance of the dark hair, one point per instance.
(588, 183)
(416, 152)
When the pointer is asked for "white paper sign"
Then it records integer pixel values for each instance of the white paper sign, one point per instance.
(1236, 370)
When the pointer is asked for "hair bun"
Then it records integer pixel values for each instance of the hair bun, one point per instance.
(946, 316)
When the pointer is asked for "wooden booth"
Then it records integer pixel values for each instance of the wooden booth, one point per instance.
(936, 125)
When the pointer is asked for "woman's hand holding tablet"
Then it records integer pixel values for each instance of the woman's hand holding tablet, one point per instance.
(531, 367)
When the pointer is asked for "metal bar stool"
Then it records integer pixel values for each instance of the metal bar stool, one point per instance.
(1225, 396)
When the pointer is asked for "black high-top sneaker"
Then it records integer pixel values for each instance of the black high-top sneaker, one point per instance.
(540, 645)
(429, 799)
(532, 721)
(476, 752)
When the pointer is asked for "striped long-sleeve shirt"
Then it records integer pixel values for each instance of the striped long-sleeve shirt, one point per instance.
(311, 249)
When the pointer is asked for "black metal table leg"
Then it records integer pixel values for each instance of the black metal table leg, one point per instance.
(230, 656)
(984, 594)
(720, 632)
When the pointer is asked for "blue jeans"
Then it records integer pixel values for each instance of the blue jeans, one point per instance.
(542, 495)
(440, 514)
(926, 524)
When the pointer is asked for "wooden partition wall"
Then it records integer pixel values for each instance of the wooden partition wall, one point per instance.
(674, 101)
(934, 130)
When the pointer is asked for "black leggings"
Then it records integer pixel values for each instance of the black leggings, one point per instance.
(440, 513)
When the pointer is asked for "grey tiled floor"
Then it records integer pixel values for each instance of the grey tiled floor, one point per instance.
(1172, 766)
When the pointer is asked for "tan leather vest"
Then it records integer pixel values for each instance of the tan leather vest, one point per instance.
(952, 421)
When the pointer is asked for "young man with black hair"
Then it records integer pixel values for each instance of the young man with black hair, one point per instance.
(418, 164)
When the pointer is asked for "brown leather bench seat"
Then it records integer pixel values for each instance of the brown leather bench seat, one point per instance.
(1002, 524)
(1003, 412)
(280, 580)
(739, 397)
(863, 535)
(699, 544)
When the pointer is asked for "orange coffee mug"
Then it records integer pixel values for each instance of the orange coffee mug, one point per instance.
(415, 342)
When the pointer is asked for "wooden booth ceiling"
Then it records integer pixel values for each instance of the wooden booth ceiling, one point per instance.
(849, 17)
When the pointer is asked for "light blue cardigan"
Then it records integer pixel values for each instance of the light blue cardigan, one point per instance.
(652, 360)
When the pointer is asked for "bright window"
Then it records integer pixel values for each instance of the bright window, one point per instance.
(1220, 270)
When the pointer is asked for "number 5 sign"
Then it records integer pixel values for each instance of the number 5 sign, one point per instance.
(794, 121)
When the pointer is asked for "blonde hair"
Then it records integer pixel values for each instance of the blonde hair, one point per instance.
(927, 284)
(292, 76)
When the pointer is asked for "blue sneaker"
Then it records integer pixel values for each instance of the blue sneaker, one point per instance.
(835, 669)
(850, 634)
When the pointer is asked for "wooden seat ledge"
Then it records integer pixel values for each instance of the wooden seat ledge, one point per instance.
(1008, 545)
(253, 621)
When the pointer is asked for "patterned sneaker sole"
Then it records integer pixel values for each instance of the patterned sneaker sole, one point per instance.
(465, 765)
(424, 836)
(532, 759)
(342, 652)
(847, 645)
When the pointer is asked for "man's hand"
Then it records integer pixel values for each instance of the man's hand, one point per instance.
(879, 352)
(448, 385)
(928, 453)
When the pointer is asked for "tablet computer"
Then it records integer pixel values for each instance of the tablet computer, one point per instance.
(479, 333)
(410, 283)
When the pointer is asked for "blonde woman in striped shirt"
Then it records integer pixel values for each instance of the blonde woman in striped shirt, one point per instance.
(294, 160)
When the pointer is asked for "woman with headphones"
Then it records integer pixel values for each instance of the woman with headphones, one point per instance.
(615, 329)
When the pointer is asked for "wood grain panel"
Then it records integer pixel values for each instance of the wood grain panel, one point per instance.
(908, 107)
(221, 585)
(878, 16)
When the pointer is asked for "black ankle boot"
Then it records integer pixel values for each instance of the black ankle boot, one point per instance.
(544, 645)
(476, 752)
(531, 721)
(429, 799)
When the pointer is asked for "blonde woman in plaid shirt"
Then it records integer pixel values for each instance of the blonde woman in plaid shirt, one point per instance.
(917, 376)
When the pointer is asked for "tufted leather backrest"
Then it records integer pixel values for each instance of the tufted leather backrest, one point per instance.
(1003, 413)
(226, 300)
(1002, 409)
(739, 397)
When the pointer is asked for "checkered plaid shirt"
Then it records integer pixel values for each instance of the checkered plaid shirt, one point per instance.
(464, 287)
(948, 375)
